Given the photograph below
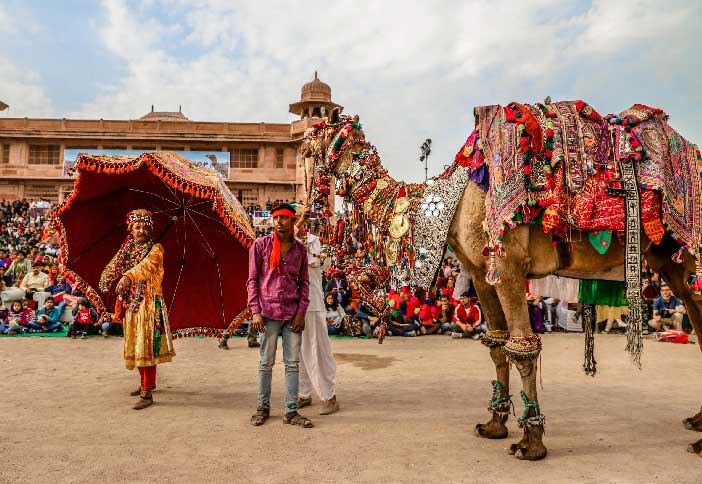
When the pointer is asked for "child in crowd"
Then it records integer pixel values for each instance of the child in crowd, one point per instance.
(18, 318)
(85, 320)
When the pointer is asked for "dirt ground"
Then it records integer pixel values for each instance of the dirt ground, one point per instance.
(408, 408)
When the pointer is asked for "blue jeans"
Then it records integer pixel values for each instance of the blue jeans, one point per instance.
(51, 326)
(291, 357)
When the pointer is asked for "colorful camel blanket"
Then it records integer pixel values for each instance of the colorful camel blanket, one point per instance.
(560, 164)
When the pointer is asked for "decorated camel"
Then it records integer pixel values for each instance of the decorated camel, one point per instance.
(526, 193)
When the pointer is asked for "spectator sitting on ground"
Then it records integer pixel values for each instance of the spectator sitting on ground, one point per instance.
(59, 288)
(20, 266)
(48, 318)
(397, 325)
(668, 311)
(85, 320)
(34, 281)
(411, 310)
(339, 285)
(335, 314)
(466, 318)
(368, 322)
(446, 313)
(429, 315)
(18, 318)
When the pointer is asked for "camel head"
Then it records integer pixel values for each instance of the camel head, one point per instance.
(328, 148)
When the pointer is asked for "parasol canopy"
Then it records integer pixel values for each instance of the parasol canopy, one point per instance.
(204, 231)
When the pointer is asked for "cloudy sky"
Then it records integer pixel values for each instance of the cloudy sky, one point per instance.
(411, 70)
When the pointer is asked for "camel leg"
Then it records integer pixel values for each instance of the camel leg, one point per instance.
(523, 348)
(676, 276)
(501, 403)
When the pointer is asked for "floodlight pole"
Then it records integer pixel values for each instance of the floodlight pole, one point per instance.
(426, 151)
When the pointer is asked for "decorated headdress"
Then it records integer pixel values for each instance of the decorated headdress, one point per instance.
(140, 215)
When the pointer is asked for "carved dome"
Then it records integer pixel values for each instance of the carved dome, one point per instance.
(316, 90)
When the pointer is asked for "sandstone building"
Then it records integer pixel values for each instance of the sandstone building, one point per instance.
(264, 157)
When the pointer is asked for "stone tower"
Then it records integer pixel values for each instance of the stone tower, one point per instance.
(315, 101)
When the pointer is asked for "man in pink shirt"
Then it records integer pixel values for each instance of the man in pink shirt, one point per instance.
(278, 291)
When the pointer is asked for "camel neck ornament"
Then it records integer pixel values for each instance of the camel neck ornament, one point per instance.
(405, 223)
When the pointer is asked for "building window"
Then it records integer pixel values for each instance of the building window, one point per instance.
(144, 148)
(45, 192)
(247, 197)
(4, 153)
(44, 154)
(245, 158)
(172, 148)
(108, 147)
(279, 157)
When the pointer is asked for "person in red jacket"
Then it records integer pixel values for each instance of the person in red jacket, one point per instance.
(466, 322)
(429, 314)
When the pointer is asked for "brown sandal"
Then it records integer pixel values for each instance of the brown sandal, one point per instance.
(297, 419)
(260, 417)
(145, 401)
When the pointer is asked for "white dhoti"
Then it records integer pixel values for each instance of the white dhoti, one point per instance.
(317, 364)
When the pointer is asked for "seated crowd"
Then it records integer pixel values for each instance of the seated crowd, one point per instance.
(35, 291)
(411, 312)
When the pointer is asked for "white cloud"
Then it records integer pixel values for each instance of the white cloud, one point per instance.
(410, 70)
(20, 87)
(6, 24)
(22, 90)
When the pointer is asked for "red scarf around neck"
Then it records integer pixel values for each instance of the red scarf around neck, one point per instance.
(275, 253)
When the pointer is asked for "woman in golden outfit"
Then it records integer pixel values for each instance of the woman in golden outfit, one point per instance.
(138, 270)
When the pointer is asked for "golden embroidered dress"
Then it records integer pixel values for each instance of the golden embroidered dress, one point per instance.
(147, 335)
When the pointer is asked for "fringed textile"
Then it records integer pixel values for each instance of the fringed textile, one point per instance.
(589, 321)
(632, 260)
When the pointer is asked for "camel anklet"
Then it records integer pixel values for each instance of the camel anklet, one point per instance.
(525, 420)
(520, 348)
(499, 403)
(494, 338)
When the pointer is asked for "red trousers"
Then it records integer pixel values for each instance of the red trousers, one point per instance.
(148, 377)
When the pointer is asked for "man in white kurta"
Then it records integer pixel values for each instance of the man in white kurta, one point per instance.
(317, 364)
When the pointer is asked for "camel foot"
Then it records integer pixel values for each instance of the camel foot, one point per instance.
(518, 446)
(494, 429)
(694, 422)
(531, 447)
(533, 451)
(695, 425)
(695, 447)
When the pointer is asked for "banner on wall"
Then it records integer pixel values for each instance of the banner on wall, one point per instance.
(219, 160)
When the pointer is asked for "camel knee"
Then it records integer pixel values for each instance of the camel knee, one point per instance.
(525, 367)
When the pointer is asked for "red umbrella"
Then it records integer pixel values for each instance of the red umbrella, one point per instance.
(202, 227)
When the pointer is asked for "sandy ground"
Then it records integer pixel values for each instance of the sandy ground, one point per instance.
(408, 409)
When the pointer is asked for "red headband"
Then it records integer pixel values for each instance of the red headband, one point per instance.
(284, 212)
